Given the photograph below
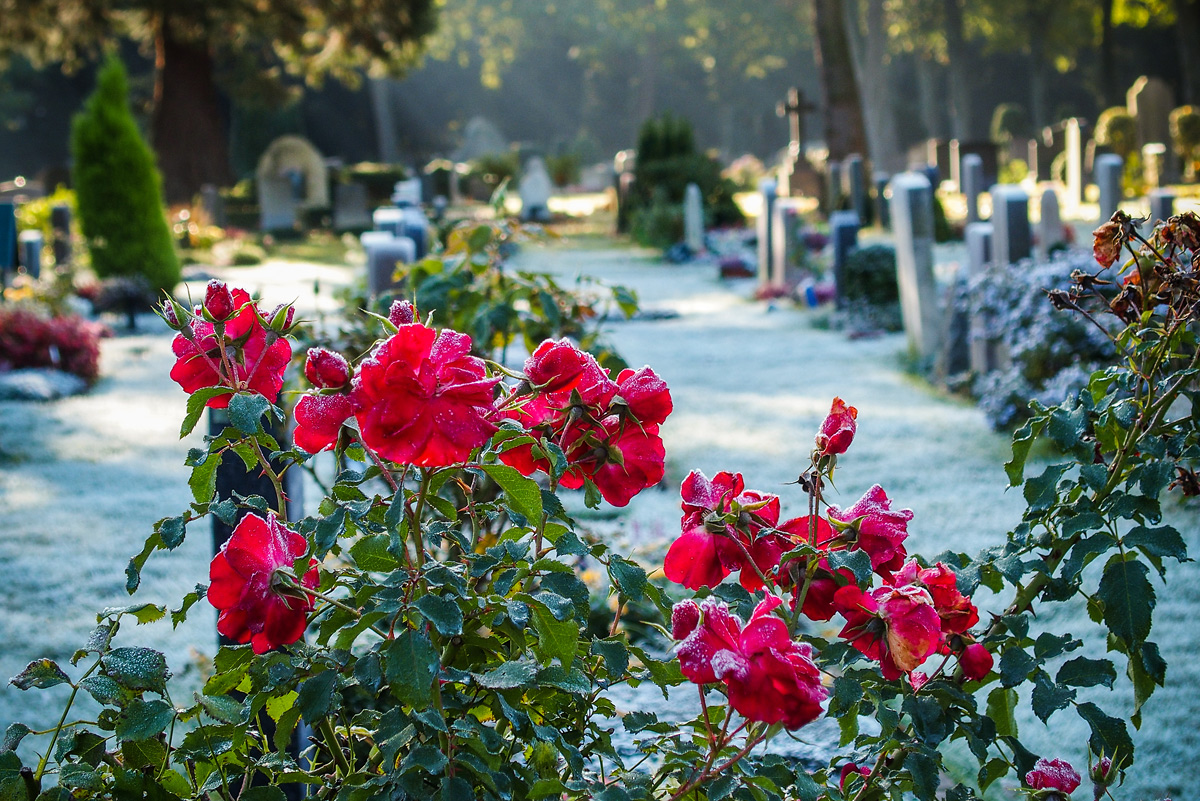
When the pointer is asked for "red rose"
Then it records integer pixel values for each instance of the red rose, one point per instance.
(420, 398)
(685, 616)
(401, 313)
(1053, 774)
(837, 432)
(709, 549)
(851, 769)
(218, 301)
(326, 369)
(557, 365)
(254, 606)
(955, 610)
(645, 394)
(631, 459)
(876, 529)
(897, 626)
(257, 365)
(768, 676)
(976, 662)
(319, 419)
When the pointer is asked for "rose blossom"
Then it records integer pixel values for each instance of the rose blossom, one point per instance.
(420, 398)
(976, 662)
(898, 626)
(875, 528)
(401, 313)
(254, 606)
(326, 369)
(708, 548)
(257, 365)
(319, 419)
(1053, 774)
(768, 676)
(837, 431)
(557, 365)
(955, 610)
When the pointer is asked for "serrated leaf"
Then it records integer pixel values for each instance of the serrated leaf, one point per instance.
(443, 613)
(316, 696)
(924, 772)
(410, 666)
(1015, 665)
(1084, 672)
(556, 638)
(1001, 706)
(856, 560)
(13, 736)
(371, 553)
(1041, 492)
(615, 656)
(571, 681)
(1109, 734)
(172, 531)
(329, 528)
(103, 689)
(144, 752)
(137, 668)
(1128, 600)
(195, 407)
(203, 481)
(1049, 697)
(1022, 442)
(508, 676)
(222, 708)
(629, 578)
(40, 674)
(523, 494)
(1164, 541)
(143, 719)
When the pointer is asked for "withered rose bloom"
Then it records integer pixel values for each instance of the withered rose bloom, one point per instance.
(1106, 246)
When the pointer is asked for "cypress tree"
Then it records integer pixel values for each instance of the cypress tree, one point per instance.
(118, 188)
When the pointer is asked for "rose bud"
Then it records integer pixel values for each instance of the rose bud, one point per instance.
(218, 301)
(1102, 775)
(402, 313)
(837, 431)
(326, 369)
(976, 662)
(175, 315)
(281, 318)
(1053, 774)
(685, 616)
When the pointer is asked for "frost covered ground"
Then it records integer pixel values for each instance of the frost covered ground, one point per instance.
(751, 383)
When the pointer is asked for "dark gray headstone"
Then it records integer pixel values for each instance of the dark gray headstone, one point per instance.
(933, 175)
(883, 211)
(1162, 205)
(8, 239)
(351, 207)
(766, 188)
(384, 252)
(843, 231)
(1110, 176)
(1012, 235)
(31, 243)
(912, 222)
(972, 184)
(60, 222)
(833, 187)
(979, 254)
(854, 180)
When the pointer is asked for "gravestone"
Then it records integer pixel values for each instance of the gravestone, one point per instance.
(1162, 205)
(1150, 101)
(60, 223)
(8, 240)
(291, 177)
(213, 205)
(384, 252)
(407, 222)
(1051, 234)
(766, 188)
(1073, 145)
(480, 138)
(535, 189)
(1110, 174)
(788, 252)
(1154, 164)
(972, 184)
(1012, 237)
(979, 256)
(932, 174)
(843, 234)
(833, 187)
(854, 184)
(912, 221)
(986, 152)
(31, 243)
(623, 164)
(351, 211)
(408, 193)
(693, 219)
(883, 212)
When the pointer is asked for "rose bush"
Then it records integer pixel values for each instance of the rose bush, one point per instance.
(434, 642)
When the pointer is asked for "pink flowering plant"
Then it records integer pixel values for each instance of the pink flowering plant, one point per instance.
(428, 633)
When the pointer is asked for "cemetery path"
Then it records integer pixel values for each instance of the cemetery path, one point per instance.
(751, 383)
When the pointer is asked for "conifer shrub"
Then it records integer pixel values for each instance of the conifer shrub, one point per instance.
(118, 188)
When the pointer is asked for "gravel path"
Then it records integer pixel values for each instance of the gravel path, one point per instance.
(751, 383)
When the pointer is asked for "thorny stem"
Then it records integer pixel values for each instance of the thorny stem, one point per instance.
(874, 772)
(41, 768)
(269, 470)
(331, 742)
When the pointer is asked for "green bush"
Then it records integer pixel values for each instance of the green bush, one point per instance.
(1185, 135)
(658, 225)
(119, 189)
(1009, 122)
(35, 215)
(870, 276)
(942, 230)
(1117, 130)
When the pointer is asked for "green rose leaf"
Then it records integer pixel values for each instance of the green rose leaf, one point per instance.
(1128, 600)
(13, 736)
(443, 613)
(137, 668)
(195, 407)
(524, 495)
(246, 411)
(508, 676)
(143, 719)
(410, 666)
(556, 638)
(1084, 672)
(40, 674)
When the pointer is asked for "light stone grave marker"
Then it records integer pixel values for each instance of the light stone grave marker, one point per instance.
(1050, 228)
(1012, 237)
(971, 171)
(535, 189)
(384, 252)
(912, 221)
(787, 249)
(764, 225)
(1110, 174)
(693, 219)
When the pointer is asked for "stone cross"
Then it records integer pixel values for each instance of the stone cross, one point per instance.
(794, 108)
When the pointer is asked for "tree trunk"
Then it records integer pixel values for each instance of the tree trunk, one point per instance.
(385, 122)
(190, 132)
(844, 130)
(1038, 111)
(1108, 57)
(870, 56)
(646, 84)
(960, 56)
(1187, 28)
(928, 97)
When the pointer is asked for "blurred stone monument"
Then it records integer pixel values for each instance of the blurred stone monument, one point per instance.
(291, 177)
(796, 176)
(1150, 101)
(535, 189)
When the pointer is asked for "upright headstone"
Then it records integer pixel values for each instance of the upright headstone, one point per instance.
(1012, 237)
(407, 222)
(971, 172)
(213, 204)
(1162, 205)
(693, 218)
(351, 208)
(1110, 175)
(384, 252)
(855, 184)
(843, 234)
(933, 174)
(766, 188)
(60, 222)
(31, 243)
(1051, 234)
(1073, 144)
(290, 165)
(979, 256)
(535, 189)
(408, 193)
(1154, 164)
(912, 221)
(480, 138)
(883, 212)
(833, 186)
(1150, 101)
(277, 204)
(8, 240)
(623, 164)
(788, 253)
